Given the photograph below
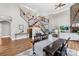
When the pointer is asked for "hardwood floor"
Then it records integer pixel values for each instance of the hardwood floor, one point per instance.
(16, 47)
(73, 44)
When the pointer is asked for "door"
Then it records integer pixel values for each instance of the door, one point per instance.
(30, 32)
(6, 28)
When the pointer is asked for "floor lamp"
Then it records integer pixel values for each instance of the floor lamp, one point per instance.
(34, 48)
(33, 43)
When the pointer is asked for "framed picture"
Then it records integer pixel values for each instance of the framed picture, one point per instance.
(21, 27)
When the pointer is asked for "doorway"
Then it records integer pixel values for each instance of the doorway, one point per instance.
(5, 28)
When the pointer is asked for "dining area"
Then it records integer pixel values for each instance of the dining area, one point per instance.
(46, 47)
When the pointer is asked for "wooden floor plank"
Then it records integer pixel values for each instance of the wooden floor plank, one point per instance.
(16, 47)
(73, 44)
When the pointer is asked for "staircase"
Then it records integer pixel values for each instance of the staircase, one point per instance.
(44, 28)
(32, 20)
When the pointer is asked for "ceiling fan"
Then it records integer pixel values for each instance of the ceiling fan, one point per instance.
(60, 5)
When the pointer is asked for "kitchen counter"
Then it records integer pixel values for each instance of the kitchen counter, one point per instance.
(74, 36)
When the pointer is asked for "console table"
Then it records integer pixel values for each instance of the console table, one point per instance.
(21, 35)
(53, 47)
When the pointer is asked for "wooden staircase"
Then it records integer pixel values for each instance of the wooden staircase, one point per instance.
(32, 20)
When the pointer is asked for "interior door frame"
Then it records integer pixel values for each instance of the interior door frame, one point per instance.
(9, 26)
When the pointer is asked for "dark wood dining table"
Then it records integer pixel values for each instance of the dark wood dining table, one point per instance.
(53, 47)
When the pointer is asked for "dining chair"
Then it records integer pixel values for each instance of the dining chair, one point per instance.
(62, 51)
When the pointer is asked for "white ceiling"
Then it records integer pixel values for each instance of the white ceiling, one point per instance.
(47, 8)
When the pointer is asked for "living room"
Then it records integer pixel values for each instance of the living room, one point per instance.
(33, 29)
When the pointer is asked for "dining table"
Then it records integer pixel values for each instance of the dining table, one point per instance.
(50, 49)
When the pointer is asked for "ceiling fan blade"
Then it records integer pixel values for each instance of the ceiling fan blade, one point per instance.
(60, 5)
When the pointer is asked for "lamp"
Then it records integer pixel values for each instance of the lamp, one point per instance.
(33, 42)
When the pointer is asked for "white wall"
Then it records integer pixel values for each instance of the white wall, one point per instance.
(13, 11)
(0, 29)
(62, 18)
